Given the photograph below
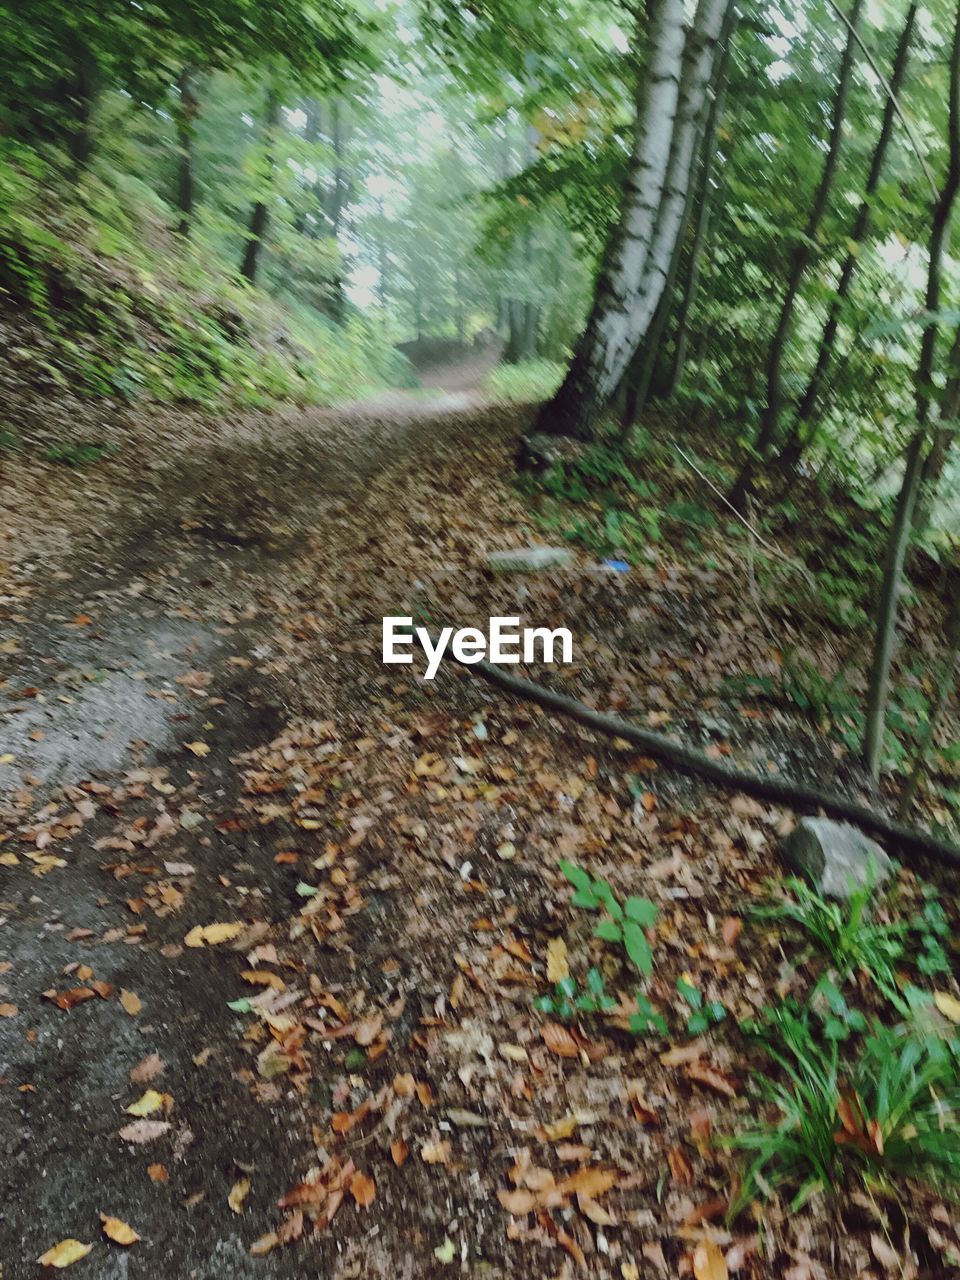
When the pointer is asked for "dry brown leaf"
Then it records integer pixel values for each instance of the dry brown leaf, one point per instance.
(680, 1167)
(884, 1253)
(117, 1230)
(208, 935)
(260, 1248)
(435, 1152)
(157, 1172)
(517, 1202)
(590, 1182)
(732, 927)
(8, 1010)
(238, 1193)
(368, 1030)
(558, 967)
(596, 1213)
(559, 1040)
(683, 1053)
(709, 1262)
(144, 1130)
(399, 1151)
(147, 1069)
(64, 1254)
(131, 1002)
(560, 1129)
(363, 1189)
(704, 1074)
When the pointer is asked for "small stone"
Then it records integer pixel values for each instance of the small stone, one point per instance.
(529, 559)
(836, 858)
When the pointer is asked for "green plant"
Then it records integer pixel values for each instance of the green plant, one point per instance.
(889, 1114)
(647, 1018)
(702, 1016)
(79, 454)
(567, 1002)
(842, 932)
(625, 923)
(930, 928)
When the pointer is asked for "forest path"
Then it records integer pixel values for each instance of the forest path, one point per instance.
(198, 730)
(168, 625)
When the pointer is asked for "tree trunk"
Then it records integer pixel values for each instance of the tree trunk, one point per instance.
(945, 686)
(260, 214)
(943, 438)
(799, 262)
(924, 392)
(636, 263)
(186, 114)
(798, 440)
(704, 206)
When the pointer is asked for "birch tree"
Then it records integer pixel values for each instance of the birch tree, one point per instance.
(637, 262)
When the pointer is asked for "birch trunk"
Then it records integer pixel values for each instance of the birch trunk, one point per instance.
(613, 330)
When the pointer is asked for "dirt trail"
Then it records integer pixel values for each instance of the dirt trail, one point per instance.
(98, 663)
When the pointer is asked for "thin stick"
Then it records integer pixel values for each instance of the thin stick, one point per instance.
(885, 84)
(774, 550)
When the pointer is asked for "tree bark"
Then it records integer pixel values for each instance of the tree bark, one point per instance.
(924, 392)
(945, 687)
(260, 214)
(186, 114)
(798, 439)
(799, 261)
(632, 277)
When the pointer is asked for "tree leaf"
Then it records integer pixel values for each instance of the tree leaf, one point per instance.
(64, 1254)
(709, 1262)
(117, 1230)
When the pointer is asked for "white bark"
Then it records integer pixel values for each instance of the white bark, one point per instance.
(659, 184)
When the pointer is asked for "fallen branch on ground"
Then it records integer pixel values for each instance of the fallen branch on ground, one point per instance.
(690, 760)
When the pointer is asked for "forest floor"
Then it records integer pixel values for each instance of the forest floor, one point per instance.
(198, 731)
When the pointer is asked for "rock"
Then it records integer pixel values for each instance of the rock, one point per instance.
(529, 559)
(835, 857)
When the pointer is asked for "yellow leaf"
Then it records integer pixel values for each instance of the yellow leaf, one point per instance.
(708, 1262)
(210, 934)
(150, 1102)
(9, 859)
(118, 1231)
(238, 1193)
(62, 1254)
(131, 1002)
(948, 1005)
(560, 1129)
(558, 970)
(198, 748)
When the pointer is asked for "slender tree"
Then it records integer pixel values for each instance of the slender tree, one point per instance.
(635, 267)
(260, 214)
(799, 438)
(924, 395)
(800, 259)
(185, 115)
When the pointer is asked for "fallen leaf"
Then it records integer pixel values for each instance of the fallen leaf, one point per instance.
(444, 1252)
(210, 934)
(517, 1202)
(117, 1230)
(238, 1193)
(131, 1002)
(560, 1128)
(704, 1074)
(150, 1101)
(709, 1262)
(144, 1130)
(399, 1151)
(559, 1040)
(435, 1152)
(884, 1253)
(558, 968)
(64, 1253)
(8, 1010)
(260, 1248)
(680, 1167)
(157, 1172)
(198, 748)
(147, 1069)
(732, 927)
(363, 1189)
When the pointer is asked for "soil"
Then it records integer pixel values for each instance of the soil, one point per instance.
(198, 729)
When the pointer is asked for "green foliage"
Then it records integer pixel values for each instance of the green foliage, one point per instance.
(889, 1114)
(930, 932)
(843, 933)
(527, 382)
(703, 1016)
(568, 1002)
(624, 924)
(78, 454)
